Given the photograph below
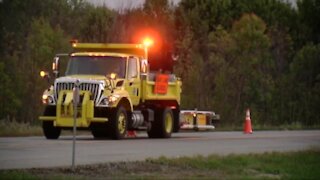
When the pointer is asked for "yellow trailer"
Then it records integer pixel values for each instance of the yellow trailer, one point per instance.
(198, 120)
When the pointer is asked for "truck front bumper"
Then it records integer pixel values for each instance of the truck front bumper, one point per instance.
(68, 122)
(65, 111)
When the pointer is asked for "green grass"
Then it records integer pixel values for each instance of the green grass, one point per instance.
(290, 165)
(294, 165)
(17, 175)
(12, 128)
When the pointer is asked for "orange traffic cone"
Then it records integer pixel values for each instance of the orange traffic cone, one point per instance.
(131, 134)
(247, 123)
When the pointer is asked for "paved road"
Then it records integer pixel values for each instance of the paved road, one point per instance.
(28, 152)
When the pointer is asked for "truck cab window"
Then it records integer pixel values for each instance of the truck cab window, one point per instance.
(132, 68)
(96, 65)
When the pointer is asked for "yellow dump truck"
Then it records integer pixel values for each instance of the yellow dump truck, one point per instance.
(119, 91)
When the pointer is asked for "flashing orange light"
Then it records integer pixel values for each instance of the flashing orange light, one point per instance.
(147, 42)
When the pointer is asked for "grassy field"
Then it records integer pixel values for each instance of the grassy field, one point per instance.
(292, 165)
(15, 129)
(8, 128)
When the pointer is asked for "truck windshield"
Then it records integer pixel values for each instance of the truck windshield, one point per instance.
(96, 65)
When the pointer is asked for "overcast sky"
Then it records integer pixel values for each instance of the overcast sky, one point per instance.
(122, 4)
(125, 4)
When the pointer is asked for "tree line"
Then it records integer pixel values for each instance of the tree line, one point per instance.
(233, 54)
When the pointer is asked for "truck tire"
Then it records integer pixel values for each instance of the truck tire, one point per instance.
(162, 126)
(99, 130)
(49, 131)
(176, 124)
(118, 123)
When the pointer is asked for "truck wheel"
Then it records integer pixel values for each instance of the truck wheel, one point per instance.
(118, 123)
(176, 124)
(99, 131)
(163, 124)
(49, 131)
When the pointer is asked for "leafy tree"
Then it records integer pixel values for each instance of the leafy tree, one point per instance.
(97, 24)
(27, 42)
(44, 42)
(8, 100)
(242, 77)
(194, 21)
(309, 17)
(305, 85)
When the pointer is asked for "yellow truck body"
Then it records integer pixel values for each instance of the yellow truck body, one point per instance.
(117, 93)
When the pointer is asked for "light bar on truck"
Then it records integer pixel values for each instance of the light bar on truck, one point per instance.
(147, 42)
(134, 49)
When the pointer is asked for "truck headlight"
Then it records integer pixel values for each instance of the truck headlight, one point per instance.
(47, 99)
(113, 98)
(104, 102)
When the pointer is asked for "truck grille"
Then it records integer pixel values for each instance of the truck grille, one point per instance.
(92, 87)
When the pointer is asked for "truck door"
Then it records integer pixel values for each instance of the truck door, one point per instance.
(133, 85)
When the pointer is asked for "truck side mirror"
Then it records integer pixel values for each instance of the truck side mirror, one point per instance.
(55, 66)
(144, 65)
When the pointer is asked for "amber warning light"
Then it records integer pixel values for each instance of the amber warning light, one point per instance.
(147, 42)
(42, 74)
(73, 42)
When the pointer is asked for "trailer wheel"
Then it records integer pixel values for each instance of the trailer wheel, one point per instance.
(163, 124)
(49, 131)
(118, 123)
